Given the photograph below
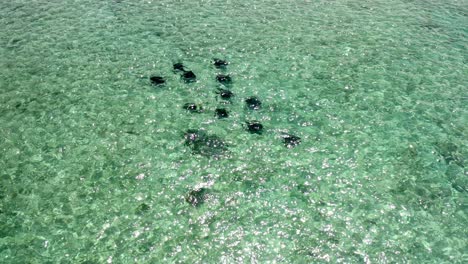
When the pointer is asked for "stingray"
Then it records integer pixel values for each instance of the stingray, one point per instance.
(224, 79)
(220, 64)
(196, 196)
(178, 67)
(225, 94)
(157, 80)
(290, 141)
(192, 108)
(254, 127)
(221, 113)
(189, 76)
(253, 103)
(204, 144)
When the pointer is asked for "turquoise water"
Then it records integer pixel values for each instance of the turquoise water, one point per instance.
(94, 167)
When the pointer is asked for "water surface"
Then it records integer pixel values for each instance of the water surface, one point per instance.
(94, 168)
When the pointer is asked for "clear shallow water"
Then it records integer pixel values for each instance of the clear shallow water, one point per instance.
(93, 163)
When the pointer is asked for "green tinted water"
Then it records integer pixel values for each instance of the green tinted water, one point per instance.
(94, 168)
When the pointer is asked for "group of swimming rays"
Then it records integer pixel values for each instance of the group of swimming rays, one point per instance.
(210, 145)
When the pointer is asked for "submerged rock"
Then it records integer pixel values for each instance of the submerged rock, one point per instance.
(196, 197)
(204, 144)
(157, 80)
(254, 127)
(221, 113)
(253, 103)
(291, 141)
